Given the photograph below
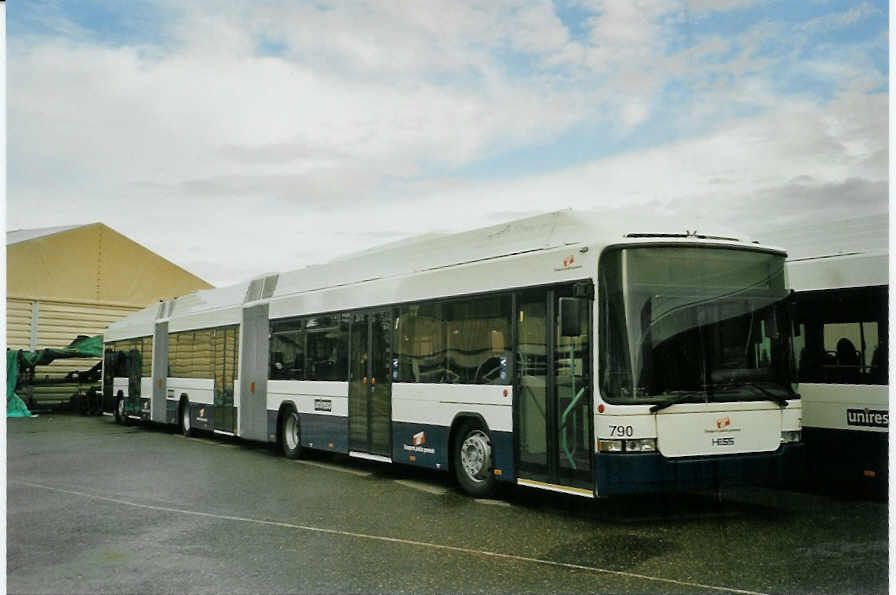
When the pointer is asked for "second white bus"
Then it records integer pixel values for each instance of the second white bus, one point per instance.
(841, 341)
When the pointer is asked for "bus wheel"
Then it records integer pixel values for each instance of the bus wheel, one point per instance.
(185, 427)
(290, 435)
(473, 460)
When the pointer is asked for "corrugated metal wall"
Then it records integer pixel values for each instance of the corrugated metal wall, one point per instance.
(18, 323)
(56, 324)
(72, 281)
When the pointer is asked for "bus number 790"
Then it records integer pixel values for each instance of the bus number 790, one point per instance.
(627, 431)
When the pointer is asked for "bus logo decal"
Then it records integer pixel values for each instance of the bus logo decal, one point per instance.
(569, 262)
(722, 425)
(418, 440)
(869, 418)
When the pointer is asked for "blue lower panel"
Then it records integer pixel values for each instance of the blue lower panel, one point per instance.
(428, 446)
(202, 417)
(320, 432)
(324, 432)
(272, 426)
(625, 473)
(845, 454)
(502, 443)
(420, 444)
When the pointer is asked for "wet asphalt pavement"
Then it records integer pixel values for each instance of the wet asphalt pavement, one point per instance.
(97, 507)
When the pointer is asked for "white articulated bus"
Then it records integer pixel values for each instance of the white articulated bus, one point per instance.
(586, 353)
(841, 342)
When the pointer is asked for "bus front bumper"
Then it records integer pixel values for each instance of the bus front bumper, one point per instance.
(626, 473)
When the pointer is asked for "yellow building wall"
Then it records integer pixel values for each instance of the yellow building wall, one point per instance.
(82, 280)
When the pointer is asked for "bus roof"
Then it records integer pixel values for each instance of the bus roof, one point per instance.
(431, 252)
(595, 229)
(839, 271)
(853, 235)
(848, 252)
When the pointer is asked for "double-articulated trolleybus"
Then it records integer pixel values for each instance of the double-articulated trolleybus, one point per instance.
(586, 353)
(841, 343)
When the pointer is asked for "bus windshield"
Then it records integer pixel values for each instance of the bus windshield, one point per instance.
(693, 324)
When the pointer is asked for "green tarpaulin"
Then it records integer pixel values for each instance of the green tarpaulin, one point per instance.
(81, 347)
(15, 407)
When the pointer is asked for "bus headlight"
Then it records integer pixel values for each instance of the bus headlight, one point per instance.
(629, 445)
(609, 445)
(790, 436)
(640, 445)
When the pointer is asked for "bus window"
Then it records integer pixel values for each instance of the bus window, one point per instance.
(419, 346)
(477, 338)
(843, 336)
(327, 348)
(287, 360)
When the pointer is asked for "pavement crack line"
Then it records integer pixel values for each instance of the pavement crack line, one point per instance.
(422, 487)
(386, 539)
(335, 468)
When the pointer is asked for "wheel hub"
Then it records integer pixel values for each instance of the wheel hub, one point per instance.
(475, 454)
(292, 431)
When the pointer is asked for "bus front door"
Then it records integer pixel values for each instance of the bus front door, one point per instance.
(370, 384)
(553, 421)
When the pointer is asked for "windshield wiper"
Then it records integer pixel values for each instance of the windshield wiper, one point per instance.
(781, 401)
(678, 398)
(771, 396)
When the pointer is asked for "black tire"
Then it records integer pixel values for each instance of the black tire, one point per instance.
(290, 434)
(473, 459)
(183, 419)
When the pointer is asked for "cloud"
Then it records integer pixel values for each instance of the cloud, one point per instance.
(705, 6)
(223, 124)
(802, 155)
(840, 20)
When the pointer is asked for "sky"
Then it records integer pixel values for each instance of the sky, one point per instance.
(236, 139)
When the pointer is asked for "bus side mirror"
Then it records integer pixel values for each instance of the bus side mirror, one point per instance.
(571, 310)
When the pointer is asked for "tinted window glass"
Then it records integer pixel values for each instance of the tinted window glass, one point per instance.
(146, 354)
(419, 348)
(191, 354)
(287, 361)
(477, 340)
(312, 348)
(130, 358)
(457, 341)
(842, 335)
(327, 348)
